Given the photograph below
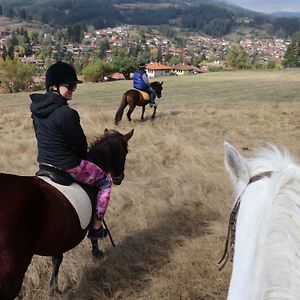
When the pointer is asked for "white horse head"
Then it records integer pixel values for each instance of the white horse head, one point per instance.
(266, 262)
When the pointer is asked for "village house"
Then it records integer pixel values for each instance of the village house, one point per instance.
(115, 76)
(157, 70)
(183, 69)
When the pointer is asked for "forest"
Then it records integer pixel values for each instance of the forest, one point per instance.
(209, 17)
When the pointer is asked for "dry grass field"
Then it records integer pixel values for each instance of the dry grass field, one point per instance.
(169, 216)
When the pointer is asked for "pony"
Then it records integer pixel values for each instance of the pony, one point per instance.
(135, 98)
(36, 218)
(264, 234)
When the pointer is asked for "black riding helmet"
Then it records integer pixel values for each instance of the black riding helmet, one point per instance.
(142, 65)
(61, 73)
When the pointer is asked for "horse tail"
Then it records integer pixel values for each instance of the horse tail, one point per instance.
(120, 110)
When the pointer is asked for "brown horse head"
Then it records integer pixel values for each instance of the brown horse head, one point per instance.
(157, 86)
(109, 152)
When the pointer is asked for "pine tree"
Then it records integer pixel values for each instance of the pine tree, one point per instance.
(292, 55)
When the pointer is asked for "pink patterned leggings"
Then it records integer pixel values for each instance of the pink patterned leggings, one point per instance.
(90, 174)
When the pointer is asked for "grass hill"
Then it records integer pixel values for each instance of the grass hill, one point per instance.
(169, 216)
(36, 26)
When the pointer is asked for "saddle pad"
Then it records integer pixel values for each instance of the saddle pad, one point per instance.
(144, 94)
(77, 197)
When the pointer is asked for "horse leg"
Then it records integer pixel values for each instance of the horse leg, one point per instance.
(130, 110)
(12, 272)
(56, 262)
(96, 252)
(3, 297)
(143, 111)
(154, 112)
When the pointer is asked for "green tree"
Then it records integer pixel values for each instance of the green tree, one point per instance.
(292, 55)
(8, 12)
(103, 47)
(75, 33)
(15, 74)
(271, 64)
(176, 59)
(22, 13)
(96, 70)
(34, 38)
(237, 57)
(123, 63)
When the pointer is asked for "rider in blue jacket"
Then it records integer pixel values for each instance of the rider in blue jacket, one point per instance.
(141, 82)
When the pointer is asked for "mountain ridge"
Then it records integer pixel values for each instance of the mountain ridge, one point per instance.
(212, 17)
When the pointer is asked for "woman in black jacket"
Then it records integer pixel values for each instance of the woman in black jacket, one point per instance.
(60, 138)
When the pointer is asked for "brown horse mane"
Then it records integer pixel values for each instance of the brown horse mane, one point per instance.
(99, 148)
(156, 83)
(108, 135)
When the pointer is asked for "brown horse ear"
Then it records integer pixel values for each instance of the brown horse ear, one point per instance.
(128, 135)
(161, 83)
(106, 131)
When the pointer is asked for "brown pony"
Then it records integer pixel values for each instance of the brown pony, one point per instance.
(35, 218)
(135, 98)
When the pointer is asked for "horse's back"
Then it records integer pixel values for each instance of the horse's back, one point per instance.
(135, 97)
(35, 208)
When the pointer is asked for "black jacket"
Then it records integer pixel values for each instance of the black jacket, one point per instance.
(60, 139)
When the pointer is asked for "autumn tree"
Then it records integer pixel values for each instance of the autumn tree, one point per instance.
(237, 57)
(15, 75)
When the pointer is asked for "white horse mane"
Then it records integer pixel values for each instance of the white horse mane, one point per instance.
(270, 158)
(267, 250)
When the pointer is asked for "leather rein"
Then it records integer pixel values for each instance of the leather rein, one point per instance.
(230, 239)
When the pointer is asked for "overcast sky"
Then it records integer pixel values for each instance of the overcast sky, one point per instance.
(269, 5)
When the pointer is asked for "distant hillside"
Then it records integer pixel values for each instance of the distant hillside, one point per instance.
(100, 13)
(13, 24)
(211, 17)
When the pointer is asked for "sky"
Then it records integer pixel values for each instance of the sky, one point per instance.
(268, 6)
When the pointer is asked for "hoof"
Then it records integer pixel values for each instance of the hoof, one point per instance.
(97, 253)
(54, 292)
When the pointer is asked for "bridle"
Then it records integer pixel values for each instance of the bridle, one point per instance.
(230, 238)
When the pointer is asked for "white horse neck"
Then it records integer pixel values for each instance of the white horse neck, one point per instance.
(267, 247)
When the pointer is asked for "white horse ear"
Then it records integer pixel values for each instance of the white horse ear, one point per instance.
(235, 164)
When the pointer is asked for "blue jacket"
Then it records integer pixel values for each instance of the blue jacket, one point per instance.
(60, 139)
(138, 82)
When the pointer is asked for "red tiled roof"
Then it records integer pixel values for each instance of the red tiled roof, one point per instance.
(117, 76)
(157, 66)
(183, 67)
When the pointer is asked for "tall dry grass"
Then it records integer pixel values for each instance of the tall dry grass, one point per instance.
(169, 216)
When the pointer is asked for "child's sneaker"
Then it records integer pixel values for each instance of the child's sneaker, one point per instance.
(95, 234)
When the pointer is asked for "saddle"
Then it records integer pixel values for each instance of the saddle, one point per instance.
(56, 174)
(145, 95)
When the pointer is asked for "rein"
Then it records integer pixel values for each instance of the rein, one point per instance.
(230, 238)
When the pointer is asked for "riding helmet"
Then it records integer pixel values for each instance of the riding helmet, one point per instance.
(142, 65)
(61, 73)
